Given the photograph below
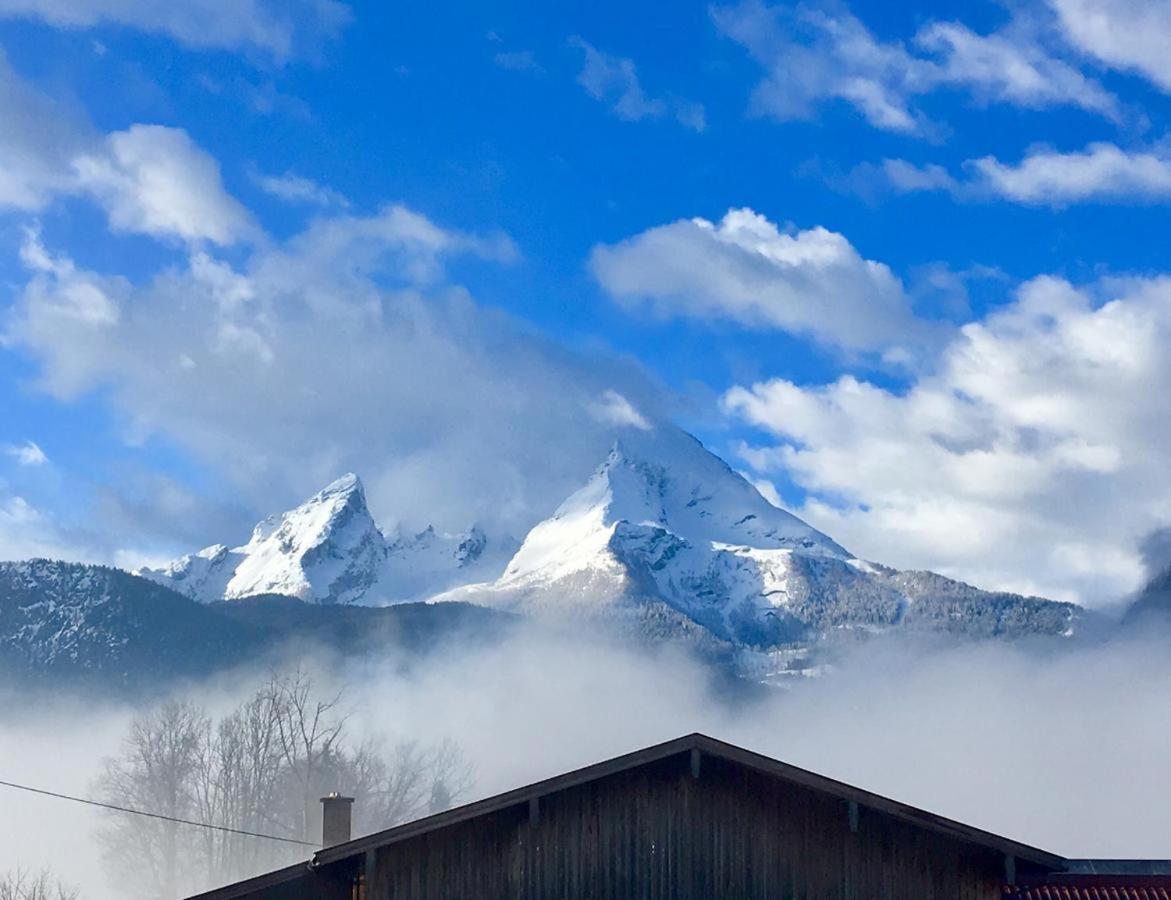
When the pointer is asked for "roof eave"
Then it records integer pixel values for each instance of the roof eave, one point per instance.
(268, 879)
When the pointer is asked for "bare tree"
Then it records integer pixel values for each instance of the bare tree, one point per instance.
(239, 786)
(156, 772)
(388, 787)
(260, 769)
(451, 775)
(309, 731)
(21, 884)
(405, 783)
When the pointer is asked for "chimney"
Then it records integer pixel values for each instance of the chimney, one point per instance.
(335, 819)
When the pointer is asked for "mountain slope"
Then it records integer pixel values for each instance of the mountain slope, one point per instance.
(63, 620)
(665, 525)
(94, 627)
(329, 550)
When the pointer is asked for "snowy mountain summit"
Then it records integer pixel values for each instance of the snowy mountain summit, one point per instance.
(666, 536)
(329, 550)
(665, 492)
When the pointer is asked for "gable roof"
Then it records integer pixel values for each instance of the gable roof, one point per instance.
(704, 746)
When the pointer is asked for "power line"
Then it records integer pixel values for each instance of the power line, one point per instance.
(152, 815)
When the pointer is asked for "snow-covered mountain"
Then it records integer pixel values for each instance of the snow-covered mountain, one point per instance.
(667, 536)
(329, 550)
(663, 540)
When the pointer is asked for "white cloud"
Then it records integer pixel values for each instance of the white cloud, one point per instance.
(294, 188)
(155, 180)
(744, 269)
(1130, 35)
(150, 179)
(343, 348)
(816, 54)
(614, 409)
(27, 454)
(82, 298)
(765, 488)
(278, 29)
(811, 56)
(27, 532)
(32, 526)
(1033, 458)
(1010, 67)
(1101, 172)
(18, 522)
(613, 80)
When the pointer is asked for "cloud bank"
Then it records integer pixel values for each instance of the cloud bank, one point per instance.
(345, 348)
(1029, 458)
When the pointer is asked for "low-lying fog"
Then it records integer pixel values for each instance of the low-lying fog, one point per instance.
(1038, 745)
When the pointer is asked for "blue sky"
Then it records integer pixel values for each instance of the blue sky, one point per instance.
(901, 264)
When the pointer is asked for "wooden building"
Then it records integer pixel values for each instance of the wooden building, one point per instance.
(691, 818)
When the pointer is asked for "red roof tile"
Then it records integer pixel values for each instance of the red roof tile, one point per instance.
(1099, 889)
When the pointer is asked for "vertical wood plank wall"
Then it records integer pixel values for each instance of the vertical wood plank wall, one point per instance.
(657, 832)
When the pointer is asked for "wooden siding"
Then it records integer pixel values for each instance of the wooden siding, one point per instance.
(656, 832)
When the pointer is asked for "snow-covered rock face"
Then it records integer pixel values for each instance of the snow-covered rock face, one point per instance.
(666, 526)
(198, 575)
(330, 550)
(429, 562)
(327, 550)
(666, 520)
(661, 484)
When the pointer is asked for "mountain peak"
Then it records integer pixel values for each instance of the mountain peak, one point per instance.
(313, 520)
(330, 550)
(340, 497)
(345, 485)
(667, 477)
(665, 481)
(327, 549)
